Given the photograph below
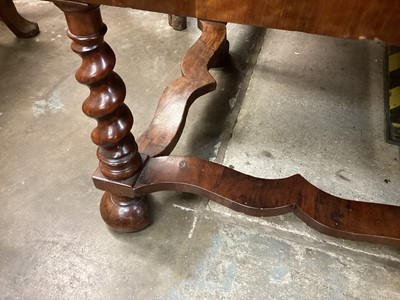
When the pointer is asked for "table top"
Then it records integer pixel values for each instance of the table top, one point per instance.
(356, 19)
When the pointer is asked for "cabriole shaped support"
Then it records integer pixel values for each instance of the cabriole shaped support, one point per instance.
(20, 26)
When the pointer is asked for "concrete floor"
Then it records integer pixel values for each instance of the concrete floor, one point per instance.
(311, 105)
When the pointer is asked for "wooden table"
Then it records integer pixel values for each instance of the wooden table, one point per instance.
(130, 168)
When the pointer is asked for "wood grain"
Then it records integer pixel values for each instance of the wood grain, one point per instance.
(372, 19)
(210, 50)
(117, 151)
(127, 177)
(355, 220)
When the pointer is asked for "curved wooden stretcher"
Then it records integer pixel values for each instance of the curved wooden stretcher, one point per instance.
(130, 169)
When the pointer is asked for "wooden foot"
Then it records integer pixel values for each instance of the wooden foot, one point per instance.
(355, 220)
(21, 27)
(125, 214)
(177, 22)
(126, 179)
(118, 155)
(376, 223)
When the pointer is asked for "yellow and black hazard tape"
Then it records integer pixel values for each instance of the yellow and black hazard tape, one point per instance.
(394, 95)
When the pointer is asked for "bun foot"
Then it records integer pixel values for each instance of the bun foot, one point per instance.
(124, 214)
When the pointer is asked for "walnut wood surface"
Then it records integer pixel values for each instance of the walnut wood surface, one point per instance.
(372, 19)
(169, 119)
(21, 27)
(355, 220)
(118, 153)
(127, 177)
(331, 215)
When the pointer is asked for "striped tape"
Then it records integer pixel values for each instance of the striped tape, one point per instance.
(394, 94)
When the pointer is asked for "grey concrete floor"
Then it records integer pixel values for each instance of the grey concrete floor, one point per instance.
(311, 105)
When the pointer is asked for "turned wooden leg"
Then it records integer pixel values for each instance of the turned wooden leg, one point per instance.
(362, 221)
(177, 22)
(117, 151)
(15, 22)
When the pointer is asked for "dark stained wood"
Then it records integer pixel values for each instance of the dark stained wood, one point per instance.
(127, 177)
(261, 197)
(210, 50)
(177, 22)
(355, 220)
(371, 19)
(118, 153)
(124, 214)
(21, 27)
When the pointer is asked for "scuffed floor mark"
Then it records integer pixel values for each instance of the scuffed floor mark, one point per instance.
(233, 100)
(230, 277)
(183, 207)
(243, 262)
(215, 152)
(193, 227)
(190, 235)
(213, 279)
(341, 176)
(51, 105)
(280, 275)
(296, 230)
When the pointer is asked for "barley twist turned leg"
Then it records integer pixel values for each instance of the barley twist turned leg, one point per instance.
(117, 151)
